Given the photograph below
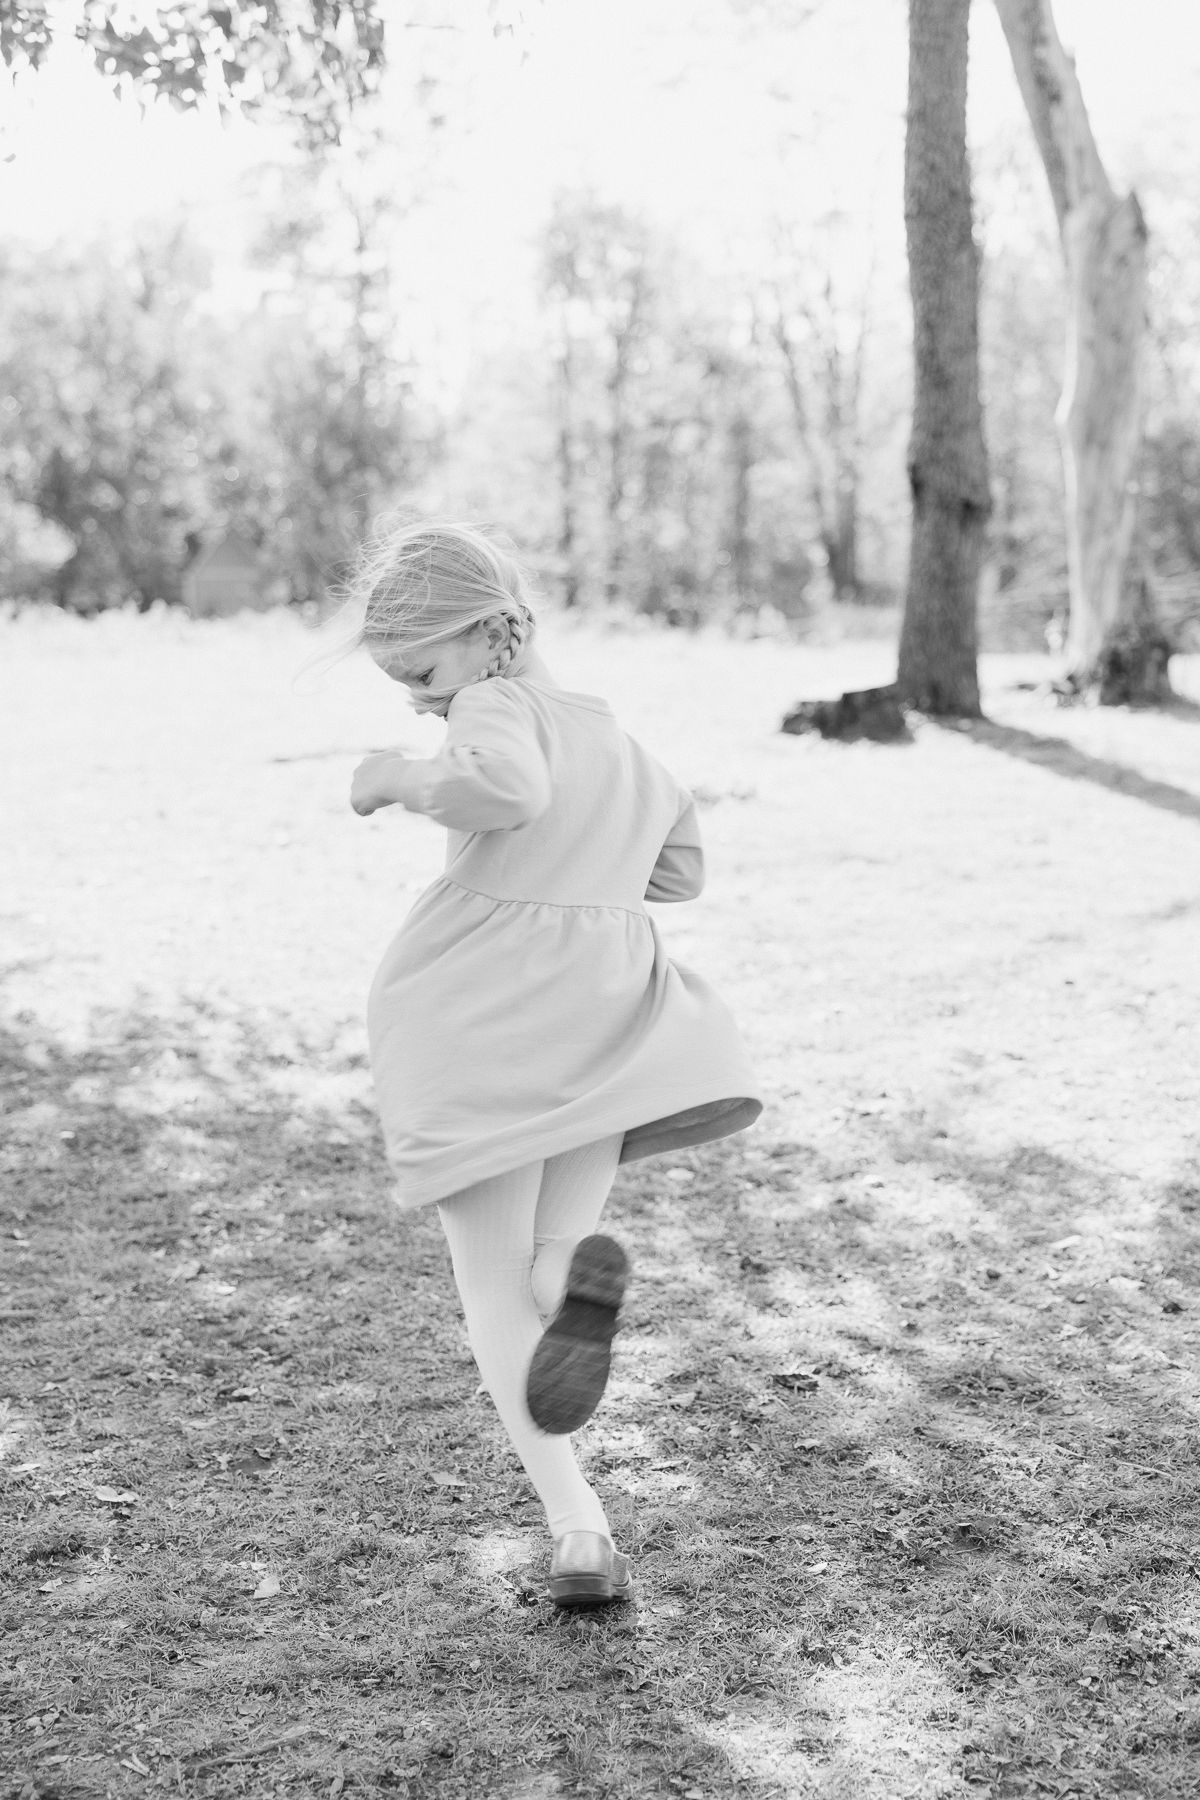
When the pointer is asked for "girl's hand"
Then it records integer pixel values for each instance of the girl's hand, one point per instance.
(375, 782)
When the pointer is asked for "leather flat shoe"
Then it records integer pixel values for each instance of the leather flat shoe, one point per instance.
(585, 1570)
(569, 1370)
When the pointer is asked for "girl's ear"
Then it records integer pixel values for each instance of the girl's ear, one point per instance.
(498, 632)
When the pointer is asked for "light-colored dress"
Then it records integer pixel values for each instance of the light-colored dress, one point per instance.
(527, 1006)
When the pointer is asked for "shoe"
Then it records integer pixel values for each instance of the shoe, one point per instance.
(569, 1371)
(585, 1570)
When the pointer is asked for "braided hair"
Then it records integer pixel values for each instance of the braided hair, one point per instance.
(520, 622)
(431, 580)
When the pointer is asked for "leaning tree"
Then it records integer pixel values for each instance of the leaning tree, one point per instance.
(947, 461)
(1115, 644)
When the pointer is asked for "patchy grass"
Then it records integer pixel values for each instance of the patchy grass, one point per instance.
(912, 1562)
(902, 1435)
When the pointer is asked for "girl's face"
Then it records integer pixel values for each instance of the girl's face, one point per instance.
(428, 670)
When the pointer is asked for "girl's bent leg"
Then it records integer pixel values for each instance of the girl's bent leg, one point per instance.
(490, 1228)
(574, 1189)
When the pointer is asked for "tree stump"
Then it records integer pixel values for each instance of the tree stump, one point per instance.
(873, 713)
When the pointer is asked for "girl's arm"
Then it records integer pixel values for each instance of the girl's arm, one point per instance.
(490, 774)
(679, 872)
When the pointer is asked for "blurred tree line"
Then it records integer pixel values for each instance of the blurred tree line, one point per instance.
(140, 420)
(678, 442)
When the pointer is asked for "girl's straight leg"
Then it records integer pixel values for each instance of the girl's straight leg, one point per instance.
(574, 1189)
(490, 1230)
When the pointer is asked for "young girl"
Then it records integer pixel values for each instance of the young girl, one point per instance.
(528, 1031)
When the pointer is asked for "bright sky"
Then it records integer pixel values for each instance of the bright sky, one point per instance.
(672, 107)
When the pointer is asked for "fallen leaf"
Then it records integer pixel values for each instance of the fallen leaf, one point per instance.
(817, 1568)
(48, 1587)
(800, 1381)
(184, 1271)
(680, 1175)
(267, 1588)
(338, 1782)
(474, 1665)
(437, 1575)
(249, 1462)
(681, 1402)
(809, 1444)
(114, 1496)
(448, 1481)
(131, 1762)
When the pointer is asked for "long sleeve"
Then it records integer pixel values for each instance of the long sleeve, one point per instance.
(491, 774)
(679, 872)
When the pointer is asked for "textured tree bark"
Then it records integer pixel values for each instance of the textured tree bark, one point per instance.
(947, 462)
(1114, 640)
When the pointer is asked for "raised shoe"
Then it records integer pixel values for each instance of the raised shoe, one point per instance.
(569, 1370)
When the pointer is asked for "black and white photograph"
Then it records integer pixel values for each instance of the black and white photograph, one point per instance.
(599, 899)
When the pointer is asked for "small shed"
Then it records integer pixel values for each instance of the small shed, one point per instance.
(223, 578)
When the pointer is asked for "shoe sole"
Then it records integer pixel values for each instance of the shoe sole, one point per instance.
(570, 1366)
(580, 1591)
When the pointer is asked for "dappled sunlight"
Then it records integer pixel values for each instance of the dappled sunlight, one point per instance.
(874, 1728)
(771, 1748)
(499, 1553)
(905, 1395)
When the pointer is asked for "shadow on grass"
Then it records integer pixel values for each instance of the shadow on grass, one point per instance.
(213, 1310)
(894, 1528)
(1062, 758)
(934, 1391)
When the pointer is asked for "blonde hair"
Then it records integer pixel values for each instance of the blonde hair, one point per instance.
(423, 582)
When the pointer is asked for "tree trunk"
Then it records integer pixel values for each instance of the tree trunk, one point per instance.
(947, 462)
(739, 546)
(625, 337)
(1114, 641)
(836, 504)
(568, 560)
(841, 545)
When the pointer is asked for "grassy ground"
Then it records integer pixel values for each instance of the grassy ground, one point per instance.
(903, 1434)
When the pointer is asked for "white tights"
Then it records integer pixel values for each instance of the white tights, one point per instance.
(511, 1240)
